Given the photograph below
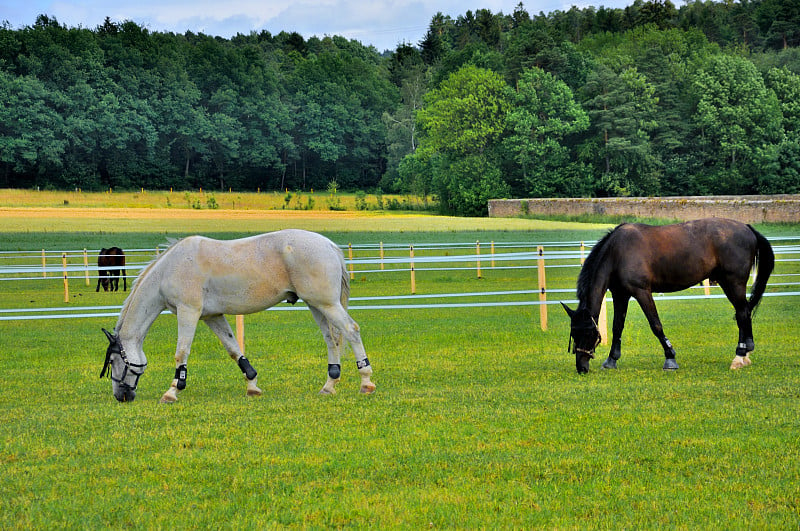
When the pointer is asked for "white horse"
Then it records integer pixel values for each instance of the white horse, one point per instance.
(200, 278)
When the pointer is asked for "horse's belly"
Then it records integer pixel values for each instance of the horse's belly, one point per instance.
(233, 296)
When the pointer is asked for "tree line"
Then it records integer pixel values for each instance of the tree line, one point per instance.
(646, 100)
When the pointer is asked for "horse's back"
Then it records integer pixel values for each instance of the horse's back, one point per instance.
(673, 257)
(250, 274)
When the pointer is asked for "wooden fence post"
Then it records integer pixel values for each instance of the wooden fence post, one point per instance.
(602, 320)
(381, 256)
(478, 259)
(66, 282)
(350, 255)
(240, 332)
(602, 323)
(44, 264)
(542, 289)
(86, 265)
(492, 254)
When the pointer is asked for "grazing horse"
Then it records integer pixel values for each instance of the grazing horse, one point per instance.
(199, 278)
(634, 260)
(110, 262)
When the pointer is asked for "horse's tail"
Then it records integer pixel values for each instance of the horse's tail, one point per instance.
(764, 264)
(345, 295)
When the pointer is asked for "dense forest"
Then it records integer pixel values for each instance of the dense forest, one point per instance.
(647, 100)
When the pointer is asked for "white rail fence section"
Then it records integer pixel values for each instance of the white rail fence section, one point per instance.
(368, 259)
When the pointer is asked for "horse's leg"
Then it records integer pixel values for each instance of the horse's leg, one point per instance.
(620, 312)
(222, 328)
(339, 318)
(187, 325)
(333, 339)
(645, 300)
(737, 294)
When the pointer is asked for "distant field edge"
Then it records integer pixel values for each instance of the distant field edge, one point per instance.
(747, 209)
(112, 220)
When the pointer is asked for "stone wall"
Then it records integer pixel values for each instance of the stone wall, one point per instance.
(748, 209)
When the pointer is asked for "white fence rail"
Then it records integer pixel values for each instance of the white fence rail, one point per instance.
(381, 258)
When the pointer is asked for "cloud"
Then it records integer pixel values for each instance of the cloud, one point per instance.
(383, 24)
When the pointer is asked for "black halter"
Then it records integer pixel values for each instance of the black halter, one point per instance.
(590, 351)
(116, 348)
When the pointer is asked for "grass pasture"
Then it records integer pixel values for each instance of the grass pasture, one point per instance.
(479, 420)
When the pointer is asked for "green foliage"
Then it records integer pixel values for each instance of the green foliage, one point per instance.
(543, 116)
(463, 120)
(696, 99)
(465, 114)
(737, 116)
(334, 202)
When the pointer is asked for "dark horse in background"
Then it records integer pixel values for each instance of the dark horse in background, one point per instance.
(634, 260)
(110, 262)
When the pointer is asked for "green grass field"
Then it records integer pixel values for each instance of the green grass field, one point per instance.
(479, 419)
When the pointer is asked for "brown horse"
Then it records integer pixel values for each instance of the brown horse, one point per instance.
(633, 260)
(110, 262)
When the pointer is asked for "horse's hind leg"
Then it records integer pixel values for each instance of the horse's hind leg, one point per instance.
(737, 295)
(333, 339)
(222, 328)
(338, 317)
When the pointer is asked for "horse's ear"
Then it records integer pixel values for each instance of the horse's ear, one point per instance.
(109, 335)
(569, 312)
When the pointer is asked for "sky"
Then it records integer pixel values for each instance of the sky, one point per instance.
(381, 23)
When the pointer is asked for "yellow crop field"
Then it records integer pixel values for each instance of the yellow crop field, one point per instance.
(32, 211)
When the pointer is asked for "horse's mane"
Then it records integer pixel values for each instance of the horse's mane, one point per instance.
(172, 243)
(592, 264)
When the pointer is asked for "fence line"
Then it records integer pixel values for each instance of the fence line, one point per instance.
(300, 306)
(465, 258)
(537, 258)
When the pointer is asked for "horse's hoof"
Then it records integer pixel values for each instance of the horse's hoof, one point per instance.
(254, 391)
(741, 361)
(670, 365)
(368, 388)
(325, 391)
(167, 399)
(610, 363)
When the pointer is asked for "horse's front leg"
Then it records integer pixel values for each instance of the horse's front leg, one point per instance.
(645, 300)
(187, 325)
(222, 328)
(620, 313)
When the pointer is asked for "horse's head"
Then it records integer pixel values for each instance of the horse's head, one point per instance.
(124, 374)
(584, 336)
